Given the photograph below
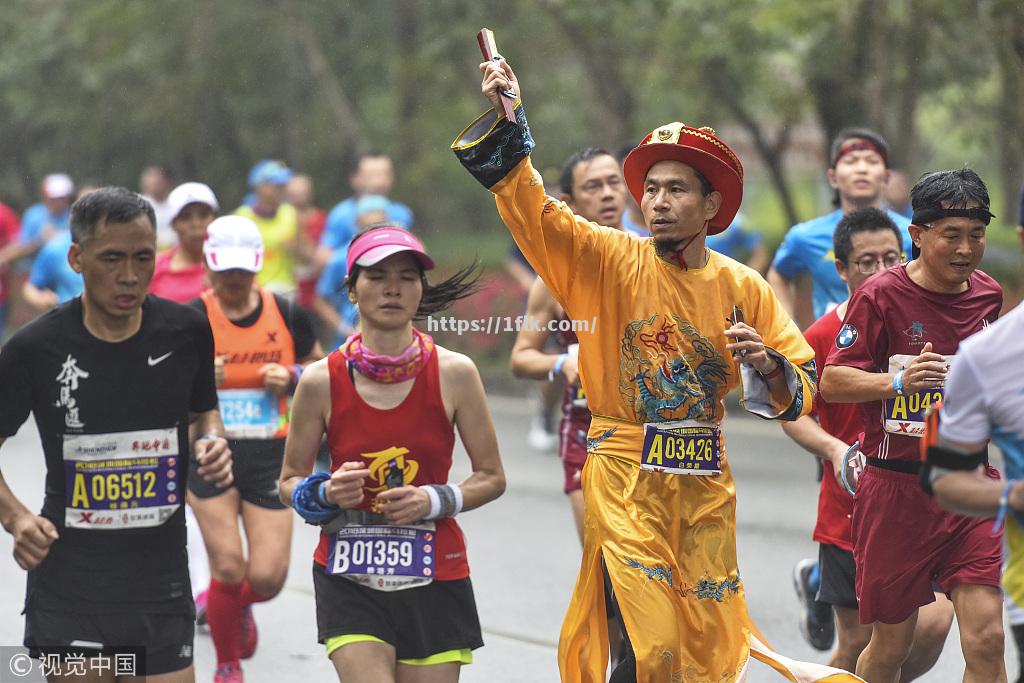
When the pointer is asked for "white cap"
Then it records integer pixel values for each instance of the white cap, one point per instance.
(190, 193)
(233, 242)
(58, 185)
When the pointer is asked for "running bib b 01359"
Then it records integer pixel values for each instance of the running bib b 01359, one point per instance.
(385, 558)
(249, 413)
(904, 415)
(125, 480)
(682, 447)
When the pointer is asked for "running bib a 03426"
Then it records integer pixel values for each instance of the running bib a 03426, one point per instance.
(249, 413)
(682, 447)
(124, 480)
(905, 415)
(382, 557)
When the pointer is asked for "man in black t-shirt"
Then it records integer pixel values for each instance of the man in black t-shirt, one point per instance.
(121, 386)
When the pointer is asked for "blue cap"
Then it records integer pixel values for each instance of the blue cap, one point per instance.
(269, 171)
(371, 202)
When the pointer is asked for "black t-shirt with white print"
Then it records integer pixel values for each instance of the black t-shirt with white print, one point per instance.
(113, 419)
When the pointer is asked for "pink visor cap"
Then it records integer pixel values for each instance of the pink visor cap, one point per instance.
(375, 245)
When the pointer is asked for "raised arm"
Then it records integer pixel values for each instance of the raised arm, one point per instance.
(557, 243)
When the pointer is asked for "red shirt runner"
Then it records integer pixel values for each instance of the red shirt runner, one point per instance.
(417, 433)
(177, 285)
(889, 319)
(842, 421)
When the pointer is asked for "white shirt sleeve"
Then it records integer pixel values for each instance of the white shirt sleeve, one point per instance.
(965, 415)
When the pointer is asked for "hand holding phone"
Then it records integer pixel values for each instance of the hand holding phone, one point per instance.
(736, 317)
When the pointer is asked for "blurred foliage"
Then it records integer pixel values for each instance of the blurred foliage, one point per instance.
(100, 88)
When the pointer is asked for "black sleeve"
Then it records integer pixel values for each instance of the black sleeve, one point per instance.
(204, 387)
(15, 386)
(299, 324)
(197, 304)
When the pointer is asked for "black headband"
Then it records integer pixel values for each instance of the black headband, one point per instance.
(929, 215)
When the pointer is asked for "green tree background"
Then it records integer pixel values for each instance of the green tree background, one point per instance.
(101, 88)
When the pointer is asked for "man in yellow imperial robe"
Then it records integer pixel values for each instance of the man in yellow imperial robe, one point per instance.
(669, 343)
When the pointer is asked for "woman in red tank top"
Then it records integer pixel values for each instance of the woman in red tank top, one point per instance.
(393, 594)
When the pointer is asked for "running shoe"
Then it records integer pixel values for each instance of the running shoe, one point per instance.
(201, 609)
(817, 622)
(248, 633)
(228, 672)
(539, 438)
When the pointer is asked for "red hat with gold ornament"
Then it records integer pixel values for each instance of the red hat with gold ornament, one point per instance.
(698, 148)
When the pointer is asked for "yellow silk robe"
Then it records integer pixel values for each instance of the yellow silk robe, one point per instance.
(656, 354)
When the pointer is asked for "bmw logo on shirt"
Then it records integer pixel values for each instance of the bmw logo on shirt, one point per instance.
(846, 337)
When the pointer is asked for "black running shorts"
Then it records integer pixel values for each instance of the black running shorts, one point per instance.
(165, 638)
(256, 466)
(838, 577)
(419, 622)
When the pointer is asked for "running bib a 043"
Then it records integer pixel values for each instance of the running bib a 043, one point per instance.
(682, 447)
(249, 413)
(125, 480)
(904, 415)
(385, 558)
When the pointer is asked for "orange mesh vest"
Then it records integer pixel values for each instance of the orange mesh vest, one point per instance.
(247, 409)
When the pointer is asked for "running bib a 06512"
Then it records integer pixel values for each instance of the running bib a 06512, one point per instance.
(382, 557)
(124, 480)
(249, 413)
(904, 415)
(682, 447)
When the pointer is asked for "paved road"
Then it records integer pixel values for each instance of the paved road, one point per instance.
(524, 556)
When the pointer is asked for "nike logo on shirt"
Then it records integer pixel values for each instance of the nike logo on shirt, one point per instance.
(153, 361)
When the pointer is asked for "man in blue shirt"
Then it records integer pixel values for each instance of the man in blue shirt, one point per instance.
(44, 221)
(740, 242)
(803, 273)
(52, 281)
(374, 174)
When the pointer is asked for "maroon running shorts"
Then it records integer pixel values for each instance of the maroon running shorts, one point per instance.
(572, 449)
(903, 541)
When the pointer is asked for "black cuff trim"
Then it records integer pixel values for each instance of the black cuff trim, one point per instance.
(491, 147)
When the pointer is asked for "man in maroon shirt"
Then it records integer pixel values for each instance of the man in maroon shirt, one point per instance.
(891, 356)
(866, 241)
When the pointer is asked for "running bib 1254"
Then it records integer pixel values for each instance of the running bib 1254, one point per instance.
(249, 413)
(682, 447)
(904, 415)
(124, 480)
(385, 558)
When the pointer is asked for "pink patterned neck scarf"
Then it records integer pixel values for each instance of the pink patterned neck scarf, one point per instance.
(389, 369)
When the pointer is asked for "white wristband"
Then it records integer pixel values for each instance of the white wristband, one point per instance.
(457, 492)
(435, 502)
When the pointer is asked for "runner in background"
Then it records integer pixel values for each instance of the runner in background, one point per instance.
(278, 225)
(866, 242)
(155, 183)
(180, 271)
(262, 342)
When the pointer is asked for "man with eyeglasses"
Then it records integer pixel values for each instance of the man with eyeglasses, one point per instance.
(892, 356)
(805, 281)
(866, 242)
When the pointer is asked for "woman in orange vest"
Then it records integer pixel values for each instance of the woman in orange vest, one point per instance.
(393, 595)
(262, 342)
